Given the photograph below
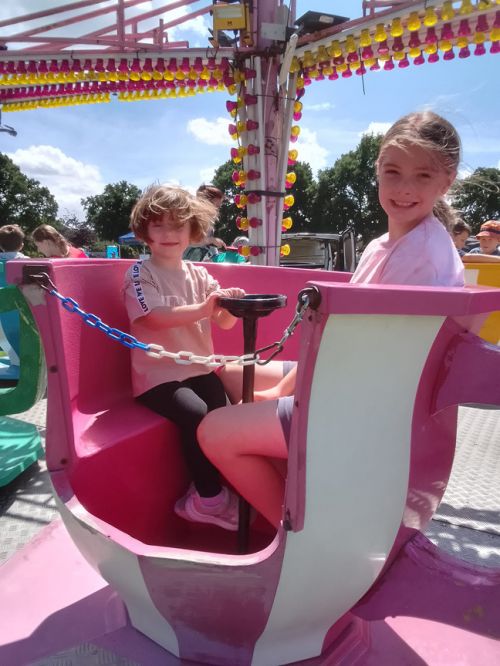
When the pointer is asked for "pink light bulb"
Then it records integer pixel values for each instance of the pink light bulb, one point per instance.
(397, 44)
(255, 222)
(334, 75)
(361, 70)
(383, 49)
(198, 65)
(464, 28)
(414, 41)
(185, 66)
(482, 24)
(253, 174)
(252, 149)
(388, 65)
(253, 198)
(249, 99)
(255, 250)
(479, 50)
(123, 66)
(419, 60)
(367, 53)
(448, 55)
(404, 63)
(464, 52)
(447, 32)
(434, 57)
(431, 37)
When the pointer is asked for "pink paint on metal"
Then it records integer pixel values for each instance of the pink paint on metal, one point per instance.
(95, 429)
(121, 40)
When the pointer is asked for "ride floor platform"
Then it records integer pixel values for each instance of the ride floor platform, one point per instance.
(85, 622)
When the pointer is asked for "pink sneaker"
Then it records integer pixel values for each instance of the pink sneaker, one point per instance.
(224, 514)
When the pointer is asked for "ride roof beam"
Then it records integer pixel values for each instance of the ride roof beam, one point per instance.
(120, 41)
(19, 37)
(351, 26)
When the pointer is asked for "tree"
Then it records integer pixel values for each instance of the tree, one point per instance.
(348, 194)
(77, 232)
(23, 200)
(303, 191)
(225, 227)
(109, 213)
(478, 196)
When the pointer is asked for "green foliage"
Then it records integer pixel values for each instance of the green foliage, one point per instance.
(225, 226)
(108, 213)
(478, 196)
(304, 192)
(348, 193)
(77, 232)
(23, 200)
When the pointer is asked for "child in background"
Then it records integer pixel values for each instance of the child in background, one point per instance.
(53, 245)
(11, 242)
(489, 238)
(417, 163)
(460, 232)
(172, 303)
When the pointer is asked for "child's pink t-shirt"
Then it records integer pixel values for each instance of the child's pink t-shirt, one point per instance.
(424, 256)
(148, 287)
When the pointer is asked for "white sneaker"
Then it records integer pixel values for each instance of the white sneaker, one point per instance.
(224, 514)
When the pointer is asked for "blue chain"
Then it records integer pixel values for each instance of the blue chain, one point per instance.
(94, 321)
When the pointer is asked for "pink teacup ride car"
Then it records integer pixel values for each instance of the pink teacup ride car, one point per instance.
(349, 577)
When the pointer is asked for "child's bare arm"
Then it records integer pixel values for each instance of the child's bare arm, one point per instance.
(181, 315)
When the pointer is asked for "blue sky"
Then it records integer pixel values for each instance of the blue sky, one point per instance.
(76, 151)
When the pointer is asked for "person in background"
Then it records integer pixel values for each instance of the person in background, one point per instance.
(11, 242)
(218, 251)
(53, 245)
(460, 232)
(489, 238)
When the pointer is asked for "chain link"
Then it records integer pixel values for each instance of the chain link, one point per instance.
(181, 357)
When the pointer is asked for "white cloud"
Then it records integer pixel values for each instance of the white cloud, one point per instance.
(376, 128)
(213, 133)
(310, 150)
(69, 180)
(207, 174)
(323, 106)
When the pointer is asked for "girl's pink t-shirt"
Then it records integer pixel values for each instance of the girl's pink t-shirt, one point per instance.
(424, 256)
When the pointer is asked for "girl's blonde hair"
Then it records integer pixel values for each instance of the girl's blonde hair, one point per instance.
(436, 135)
(47, 233)
(157, 200)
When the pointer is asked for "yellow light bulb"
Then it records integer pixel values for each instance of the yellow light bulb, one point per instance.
(380, 33)
(413, 22)
(396, 28)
